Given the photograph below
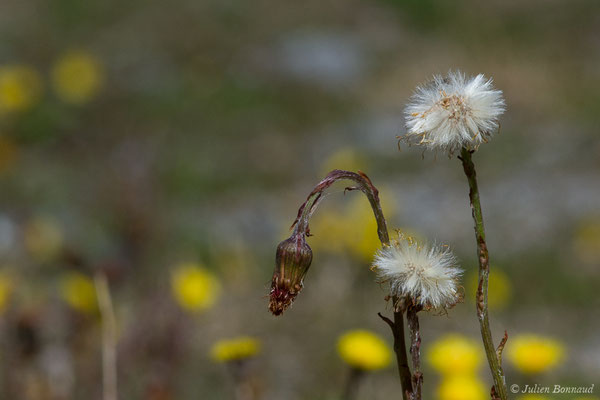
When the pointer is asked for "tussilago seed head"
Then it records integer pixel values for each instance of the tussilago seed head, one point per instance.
(427, 273)
(452, 112)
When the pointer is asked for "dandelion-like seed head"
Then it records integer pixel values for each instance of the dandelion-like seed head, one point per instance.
(426, 273)
(452, 112)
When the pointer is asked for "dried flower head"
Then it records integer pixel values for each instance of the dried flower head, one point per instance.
(426, 273)
(292, 260)
(452, 112)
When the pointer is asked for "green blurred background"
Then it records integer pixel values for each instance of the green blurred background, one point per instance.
(137, 136)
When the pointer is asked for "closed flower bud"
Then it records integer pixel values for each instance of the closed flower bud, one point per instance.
(291, 264)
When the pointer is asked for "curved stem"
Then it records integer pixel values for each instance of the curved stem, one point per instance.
(484, 272)
(364, 184)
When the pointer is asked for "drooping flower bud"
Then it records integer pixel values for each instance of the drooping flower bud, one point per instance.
(292, 261)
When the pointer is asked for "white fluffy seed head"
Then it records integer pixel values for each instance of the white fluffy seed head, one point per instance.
(426, 273)
(452, 112)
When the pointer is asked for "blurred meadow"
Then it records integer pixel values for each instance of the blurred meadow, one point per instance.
(167, 147)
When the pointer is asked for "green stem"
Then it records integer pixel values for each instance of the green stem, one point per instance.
(484, 272)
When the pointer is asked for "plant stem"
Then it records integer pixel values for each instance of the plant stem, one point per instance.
(109, 338)
(415, 349)
(364, 184)
(401, 356)
(243, 389)
(397, 327)
(481, 299)
(355, 375)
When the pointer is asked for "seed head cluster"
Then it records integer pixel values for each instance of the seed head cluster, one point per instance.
(428, 274)
(452, 112)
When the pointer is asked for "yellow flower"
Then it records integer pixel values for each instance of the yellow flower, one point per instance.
(345, 158)
(235, 349)
(20, 88)
(352, 231)
(455, 355)
(364, 350)
(5, 291)
(194, 287)
(43, 238)
(499, 289)
(77, 76)
(462, 387)
(532, 354)
(532, 396)
(329, 229)
(79, 292)
(364, 240)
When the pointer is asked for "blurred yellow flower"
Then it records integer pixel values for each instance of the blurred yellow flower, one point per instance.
(20, 88)
(79, 292)
(532, 354)
(499, 289)
(586, 242)
(532, 396)
(194, 287)
(455, 355)
(5, 291)
(235, 349)
(77, 77)
(353, 230)
(364, 241)
(43, 238)
(329, 231)
(462, 387)
(364, 350)
(346, 158)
